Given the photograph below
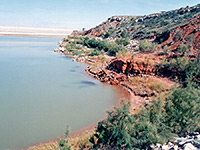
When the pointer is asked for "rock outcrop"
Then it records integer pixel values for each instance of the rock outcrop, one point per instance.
(137, 66)
(119, 68)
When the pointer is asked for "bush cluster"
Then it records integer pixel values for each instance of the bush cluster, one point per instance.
(99, 45)
(147, 46)
(122, 41)
(178, 114)
(182, 70)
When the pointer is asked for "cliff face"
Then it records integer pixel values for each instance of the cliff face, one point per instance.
(120, 68)
(136, 75)
(136, 66)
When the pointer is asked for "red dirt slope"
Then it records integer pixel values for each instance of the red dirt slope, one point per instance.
(188, 33)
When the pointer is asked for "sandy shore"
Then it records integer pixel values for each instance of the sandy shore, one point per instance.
(34, 31)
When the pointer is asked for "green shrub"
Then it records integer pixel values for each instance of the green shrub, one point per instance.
(97, 44)
(125, 131)
(124, 34)
(79, 42)
(157, 123)
(147, 46)
(166, 49)
(122, 41)
(192, 72)
(72, 46)
(150, 128)
(182, 69)
(175, 68)
(63, 143)
(115, 131)
(133, 56)
(107, 34)
(95, 53)
(183, 49)
(183, 110)
(113, 48)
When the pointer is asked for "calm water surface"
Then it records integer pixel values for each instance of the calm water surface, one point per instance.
(41, 92)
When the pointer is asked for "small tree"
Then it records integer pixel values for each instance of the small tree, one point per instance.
(125, 131)
(114, 48)
(183, 110)
(149, 127)
(115, 131)
(108, 34)
(166, 49)
(63, 143)
(183, 49)
(124, 34)
(192, 72)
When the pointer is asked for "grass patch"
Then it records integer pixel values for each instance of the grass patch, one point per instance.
(145, 83)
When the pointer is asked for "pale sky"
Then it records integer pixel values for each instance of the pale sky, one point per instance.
(76, 14)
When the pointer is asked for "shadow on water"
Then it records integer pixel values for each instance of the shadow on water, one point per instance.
(72, 70)
(81, 84)
(85, 84)
(90, 83)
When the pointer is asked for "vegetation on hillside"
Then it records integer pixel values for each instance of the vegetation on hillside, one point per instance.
(147, 46)
(94, 46)
(181, 69)
(148, 26)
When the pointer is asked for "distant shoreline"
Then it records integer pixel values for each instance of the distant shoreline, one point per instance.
(34, 31)
(32, 34)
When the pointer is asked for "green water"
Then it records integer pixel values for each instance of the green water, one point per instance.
(41, 92)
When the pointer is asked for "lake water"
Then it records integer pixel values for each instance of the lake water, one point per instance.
(41, 92)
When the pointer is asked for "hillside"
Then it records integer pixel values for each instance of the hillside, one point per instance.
(180, 25)
(148, 26)
(188, 33)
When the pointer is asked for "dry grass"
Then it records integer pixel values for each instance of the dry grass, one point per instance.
(155, 86)
(79, 142)
(46, 146)
(122, 54)
(145, 83)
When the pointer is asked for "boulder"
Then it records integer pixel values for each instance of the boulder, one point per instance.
(189, 146)
(165, 147)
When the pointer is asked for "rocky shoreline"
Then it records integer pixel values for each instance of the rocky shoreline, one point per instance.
(121, 71)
